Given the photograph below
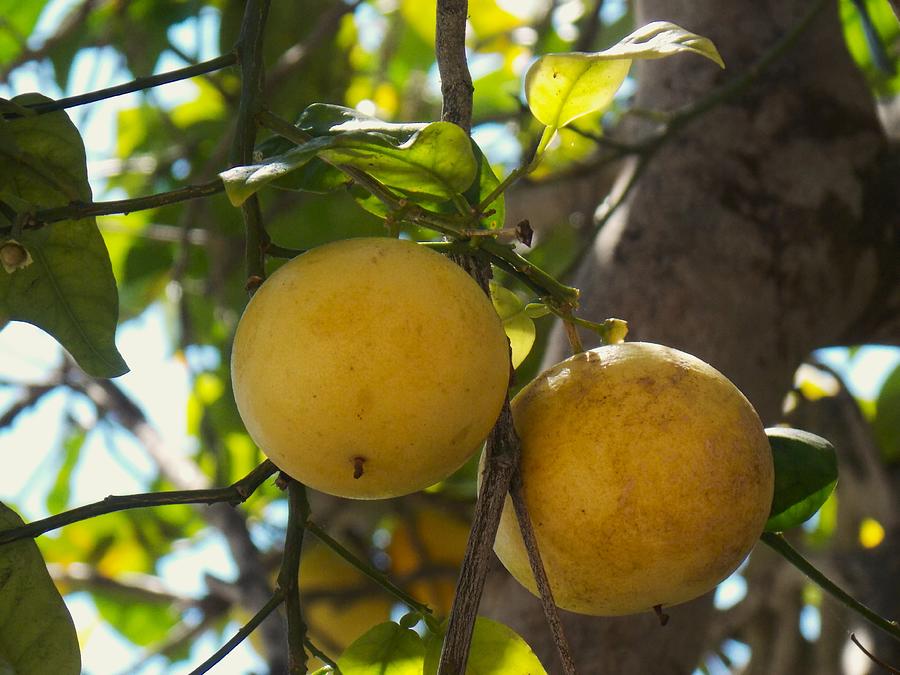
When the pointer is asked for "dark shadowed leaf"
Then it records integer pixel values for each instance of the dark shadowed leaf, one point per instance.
(386, 649)
(805, 475)
(37, 635)
(496, 650)
(67, 288)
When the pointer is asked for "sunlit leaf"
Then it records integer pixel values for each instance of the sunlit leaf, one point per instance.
(496, 650)
(386, 649)
(243, 181)
(36, 631)
(870, 30)
(518, 325)
(560, 88)
(805, 475)
(436, 160)
(660, 39)
(69, 290)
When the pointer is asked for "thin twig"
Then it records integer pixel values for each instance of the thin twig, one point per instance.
(233, 494)
(375, 575)
(288, 577)
(540, 574)
(874, 658)
(780, 545)
(450, 52)
(239, 637)
(135, 85)
(76, 210)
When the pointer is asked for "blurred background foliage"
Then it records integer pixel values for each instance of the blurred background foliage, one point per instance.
(181, 284)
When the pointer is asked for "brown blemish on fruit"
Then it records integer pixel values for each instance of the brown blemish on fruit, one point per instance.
(661, 615)
(358, 463)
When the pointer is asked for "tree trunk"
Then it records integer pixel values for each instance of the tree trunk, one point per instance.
(764, 230)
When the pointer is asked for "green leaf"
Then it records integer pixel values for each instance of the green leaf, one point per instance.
(58, 497)
(659, 39)
(321, 119)
(37, 634)
(386, 649)
(68, 288)
(18, 20)
(496, 650)
(141, 623)
(560, 88)
(437, 161)
(518, 325)
(886, 424)
(805, 475)
(243, 181)
(536, 310)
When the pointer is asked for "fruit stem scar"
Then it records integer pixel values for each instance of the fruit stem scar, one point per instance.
(662, 616)
(358, 466)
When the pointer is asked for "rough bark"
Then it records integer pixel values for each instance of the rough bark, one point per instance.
(764, 230)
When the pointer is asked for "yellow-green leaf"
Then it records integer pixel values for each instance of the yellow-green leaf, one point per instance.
(560, 88)
(517, 324)
(496, 650)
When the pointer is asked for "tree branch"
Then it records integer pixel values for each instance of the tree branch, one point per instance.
(288, 577)
(239, 637)
(252, 77)
(234, 494)
(76, 210)
(135, 85)
(450, 49)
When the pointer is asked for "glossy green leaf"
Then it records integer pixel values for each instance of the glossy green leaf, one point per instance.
(560, 88)
(68, 288)
(886, 424)
(37, 634)
(386, 649)
(436, 160)
(496, 650)
(517, 324)
(805, 475)
(243, 181)
(321, 119)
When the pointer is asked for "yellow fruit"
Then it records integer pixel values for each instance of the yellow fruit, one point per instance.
(432, 544)
(647, 475)
(369, 368)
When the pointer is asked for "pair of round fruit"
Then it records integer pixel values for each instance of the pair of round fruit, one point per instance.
(372, 368)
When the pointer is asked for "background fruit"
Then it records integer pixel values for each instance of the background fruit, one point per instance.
(369, 367)
(647, 475)
(429, 545)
